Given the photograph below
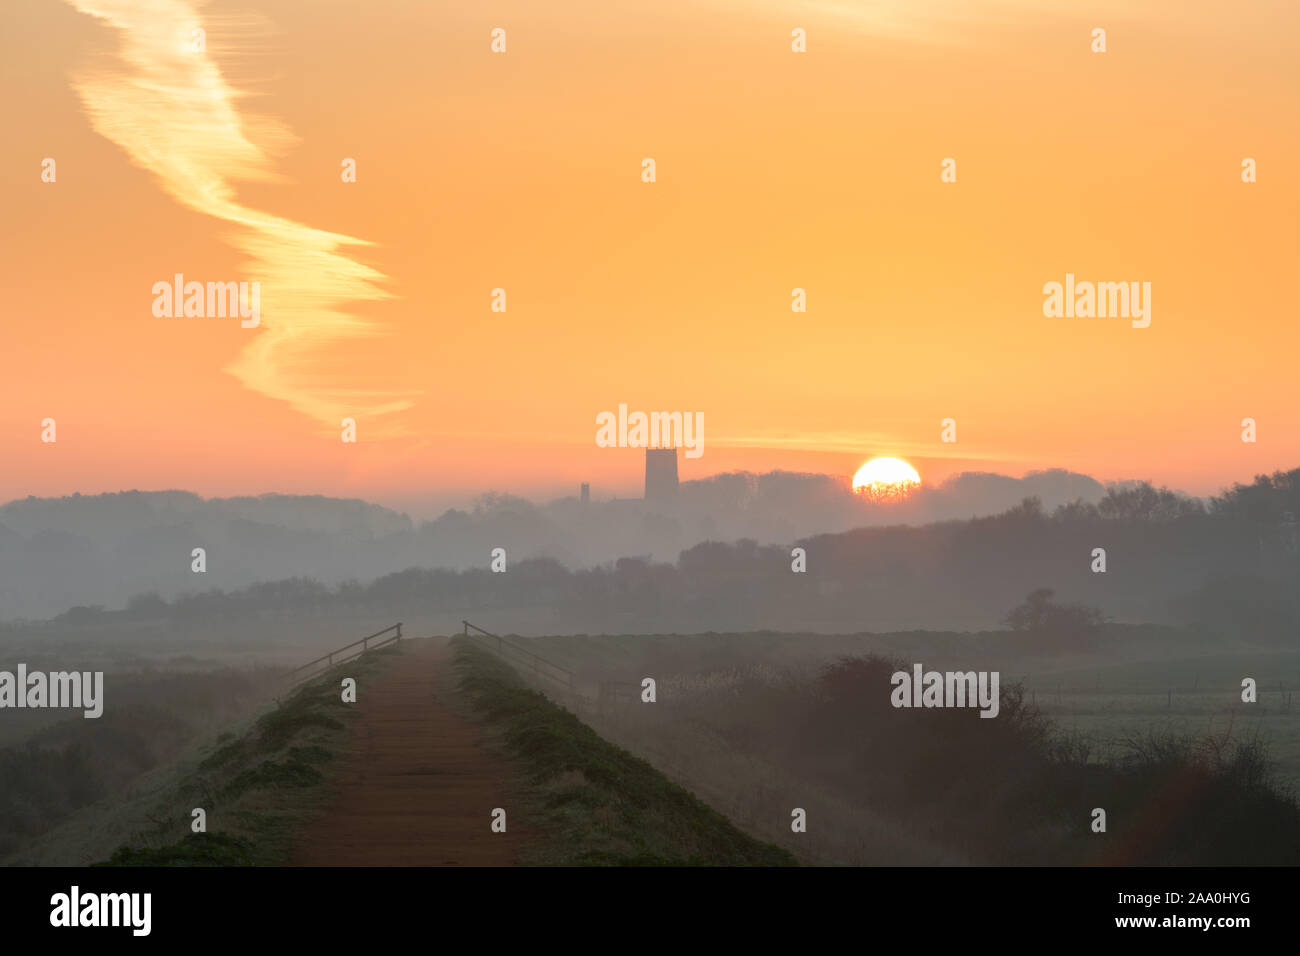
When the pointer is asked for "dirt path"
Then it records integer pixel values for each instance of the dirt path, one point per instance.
(416, 787)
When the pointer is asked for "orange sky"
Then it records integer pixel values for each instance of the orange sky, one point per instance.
(522, 171)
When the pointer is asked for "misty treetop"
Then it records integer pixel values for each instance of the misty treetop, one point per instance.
(1170, 559)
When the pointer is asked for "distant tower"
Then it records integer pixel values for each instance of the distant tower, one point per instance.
(660, 475)
(586, 494)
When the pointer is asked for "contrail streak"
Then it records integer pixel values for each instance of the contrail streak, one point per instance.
(175, 115)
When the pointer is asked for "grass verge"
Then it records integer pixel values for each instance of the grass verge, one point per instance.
(256, 788)
(599, 804)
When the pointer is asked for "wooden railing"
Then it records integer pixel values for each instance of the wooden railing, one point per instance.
(345, 653)
(522, 655)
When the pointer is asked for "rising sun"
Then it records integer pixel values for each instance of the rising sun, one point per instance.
(886, 479)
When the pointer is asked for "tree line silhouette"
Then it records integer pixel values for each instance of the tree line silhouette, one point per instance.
(1229, 564)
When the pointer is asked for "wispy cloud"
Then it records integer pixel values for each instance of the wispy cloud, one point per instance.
(955, 22)
(175, 114)
(861, 443)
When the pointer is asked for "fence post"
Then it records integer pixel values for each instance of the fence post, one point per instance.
(399, 630)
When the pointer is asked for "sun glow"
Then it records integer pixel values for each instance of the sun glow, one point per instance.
(886, 479)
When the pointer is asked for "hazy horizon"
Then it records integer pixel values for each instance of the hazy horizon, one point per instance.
(428, 507)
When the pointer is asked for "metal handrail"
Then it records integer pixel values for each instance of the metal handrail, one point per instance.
(365, 646)
(535, 659)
